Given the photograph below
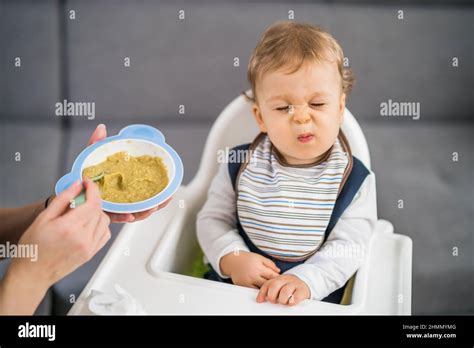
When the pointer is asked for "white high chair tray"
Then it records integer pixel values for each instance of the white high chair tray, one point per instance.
(136, 262)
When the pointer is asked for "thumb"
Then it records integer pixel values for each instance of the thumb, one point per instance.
(99, 133)
(270, 264)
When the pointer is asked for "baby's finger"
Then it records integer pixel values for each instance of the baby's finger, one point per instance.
(286, 293)
(262, 294)
(269, 273)
(297, 297)
(274, 291)
(259, 281)
(270, 264)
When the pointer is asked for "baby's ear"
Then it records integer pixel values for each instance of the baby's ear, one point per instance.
(258, 117)
(342, 107)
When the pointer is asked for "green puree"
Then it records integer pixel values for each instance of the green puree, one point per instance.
(129, 179)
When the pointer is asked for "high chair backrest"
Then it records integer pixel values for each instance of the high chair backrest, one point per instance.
(236, 125)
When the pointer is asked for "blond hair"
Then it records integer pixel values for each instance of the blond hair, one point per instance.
(288, 44)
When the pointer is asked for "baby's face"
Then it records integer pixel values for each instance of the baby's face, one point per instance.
(301, 112)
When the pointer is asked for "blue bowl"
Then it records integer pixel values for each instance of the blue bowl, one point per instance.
(137, 140)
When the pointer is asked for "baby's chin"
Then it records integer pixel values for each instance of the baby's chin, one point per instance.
(303, 158)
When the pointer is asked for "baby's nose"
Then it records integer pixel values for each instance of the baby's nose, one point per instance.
(300, 116)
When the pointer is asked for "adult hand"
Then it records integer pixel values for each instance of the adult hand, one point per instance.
(64, 239)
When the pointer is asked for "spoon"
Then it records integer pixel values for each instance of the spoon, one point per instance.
(81, 198)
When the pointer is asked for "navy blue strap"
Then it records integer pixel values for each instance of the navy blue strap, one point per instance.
(356, 177)
(234, 167)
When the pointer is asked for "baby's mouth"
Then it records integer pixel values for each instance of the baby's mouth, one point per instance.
(305, 137)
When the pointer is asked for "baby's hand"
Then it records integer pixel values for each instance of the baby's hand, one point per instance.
(286, 289)
(248, 269)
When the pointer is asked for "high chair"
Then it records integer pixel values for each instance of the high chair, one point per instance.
(150, 258)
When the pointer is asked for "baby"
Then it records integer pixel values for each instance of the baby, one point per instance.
(294, 218)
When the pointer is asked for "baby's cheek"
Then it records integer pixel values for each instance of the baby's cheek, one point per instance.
(279, 137)
(278, 129)
(328, 130)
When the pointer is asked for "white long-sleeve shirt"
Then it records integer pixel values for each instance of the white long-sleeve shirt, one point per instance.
(324, 272)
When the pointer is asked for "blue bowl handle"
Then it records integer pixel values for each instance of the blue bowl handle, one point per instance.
(141, 131)
(64, 183)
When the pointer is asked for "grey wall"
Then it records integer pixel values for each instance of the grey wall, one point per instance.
(190, 62)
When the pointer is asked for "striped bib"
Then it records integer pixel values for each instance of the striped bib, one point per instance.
(285, 210)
